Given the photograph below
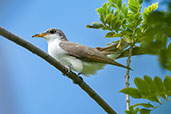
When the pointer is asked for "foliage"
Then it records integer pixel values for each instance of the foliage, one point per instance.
(150, 89)
(148, 32)
(156, 37)
(166, 3)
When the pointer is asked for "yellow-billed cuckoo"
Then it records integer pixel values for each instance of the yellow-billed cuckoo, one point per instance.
(80, 58)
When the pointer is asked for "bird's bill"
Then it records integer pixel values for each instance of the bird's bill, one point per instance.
(39, 35)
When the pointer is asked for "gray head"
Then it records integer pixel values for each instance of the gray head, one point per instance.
(51, 34)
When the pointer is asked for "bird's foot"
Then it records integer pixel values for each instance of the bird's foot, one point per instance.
(68, 70)
(80, 78)
(79, 73)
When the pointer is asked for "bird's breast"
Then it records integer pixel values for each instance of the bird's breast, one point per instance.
(61, 55)
(55, 50)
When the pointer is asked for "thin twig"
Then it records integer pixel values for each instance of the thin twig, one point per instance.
(161, 103)
(138, 51)
(127, 76)
(57, 65)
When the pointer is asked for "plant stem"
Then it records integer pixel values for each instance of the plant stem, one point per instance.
(161, 103)
(127, 76)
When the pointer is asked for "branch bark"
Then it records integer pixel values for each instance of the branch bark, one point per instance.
(75, 78)
(138, 51)
(127, 76)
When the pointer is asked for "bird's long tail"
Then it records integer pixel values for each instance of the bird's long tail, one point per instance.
(120, 65)
(113, 51)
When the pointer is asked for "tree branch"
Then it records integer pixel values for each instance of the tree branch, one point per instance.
(138, 51)
(127, 76)
(59, 66)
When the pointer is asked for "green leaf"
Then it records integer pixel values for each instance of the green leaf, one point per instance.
(109, 9)
(133, 92)
(110, 1)
(102, 18)
(145, 111)
(127, 112)
(153, 98)
(123, 6)
(140, 1)
(109, 35)
(117, 35)
(105, 6)
(156, 17)
(158, 83)
(136, 110)
(167, 76)
(132, 110)
(145, 90)
(115, 19)
(99, 10)
(134, 6)
(126, 11)
(109, 18)
(128, 31)
(116, 13)
(114, 5)
(146, 105)
(149, 10)
(141, 85)
(119, 3)
(150, 83)
(133, 9)
(118, 25)
(106, 28)
(160, 92)
(95, 25)
(167, 84)
(169, 50)
(112, 34)
(138, 31)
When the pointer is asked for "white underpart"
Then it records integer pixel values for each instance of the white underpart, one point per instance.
(90, 68)
(87, 68)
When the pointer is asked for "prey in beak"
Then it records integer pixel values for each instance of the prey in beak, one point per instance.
(39, 35)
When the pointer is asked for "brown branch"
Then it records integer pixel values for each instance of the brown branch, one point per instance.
(57, 65)
(127, 76)
(138, 51)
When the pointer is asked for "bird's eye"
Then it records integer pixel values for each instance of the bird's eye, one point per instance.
(52, 31)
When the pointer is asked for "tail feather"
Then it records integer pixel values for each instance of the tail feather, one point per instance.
(120, 65)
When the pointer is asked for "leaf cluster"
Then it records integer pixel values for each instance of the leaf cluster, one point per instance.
(120, 20)
(156, 37)
(149, 31)
(151, 89)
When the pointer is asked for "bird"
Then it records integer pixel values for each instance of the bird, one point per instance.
(80, 58)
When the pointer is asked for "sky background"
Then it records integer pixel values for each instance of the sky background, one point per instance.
(29, 85)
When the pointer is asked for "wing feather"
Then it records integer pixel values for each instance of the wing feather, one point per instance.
(87, 53)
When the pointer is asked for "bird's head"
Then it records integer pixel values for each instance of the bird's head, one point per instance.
(51, 34)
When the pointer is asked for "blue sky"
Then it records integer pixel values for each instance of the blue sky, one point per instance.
(32, 86)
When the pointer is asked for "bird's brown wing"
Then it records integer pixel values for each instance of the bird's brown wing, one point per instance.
(87, 53)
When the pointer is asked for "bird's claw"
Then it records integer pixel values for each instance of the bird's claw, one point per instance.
(68, 70)
(79, 73)
(80, 78)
